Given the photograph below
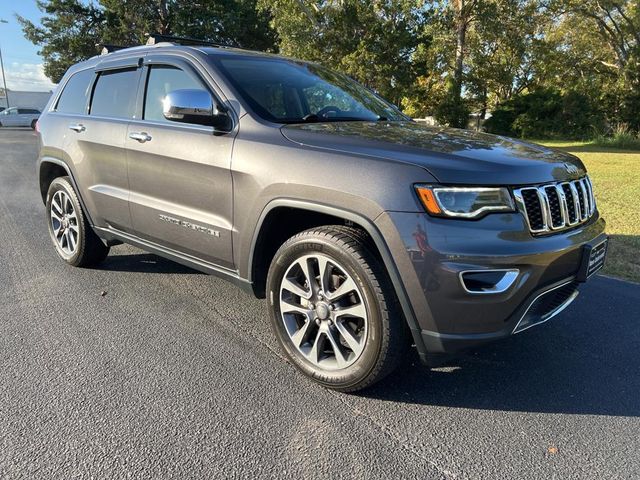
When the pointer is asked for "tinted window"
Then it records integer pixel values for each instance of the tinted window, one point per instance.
(28, 111)
(288, 91)
(115, 93)
(162, 80)
(75, 93)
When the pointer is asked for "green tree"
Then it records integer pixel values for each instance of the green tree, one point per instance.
(70, 29)
(600, 39)
(372, 41)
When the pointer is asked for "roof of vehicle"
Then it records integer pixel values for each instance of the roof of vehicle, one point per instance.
(213, 51)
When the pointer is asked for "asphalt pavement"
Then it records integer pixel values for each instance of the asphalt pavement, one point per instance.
(142, 368)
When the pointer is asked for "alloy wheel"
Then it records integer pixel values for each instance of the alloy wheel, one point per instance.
(64, 222)
(323, 312)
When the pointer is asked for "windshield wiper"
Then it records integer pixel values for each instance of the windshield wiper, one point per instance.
(313, 118)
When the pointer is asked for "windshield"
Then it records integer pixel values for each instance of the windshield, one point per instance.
(287, 91)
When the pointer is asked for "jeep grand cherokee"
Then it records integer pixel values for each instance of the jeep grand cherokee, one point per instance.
(365, 231)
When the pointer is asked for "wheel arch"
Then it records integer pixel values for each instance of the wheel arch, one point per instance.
(49, 169)
(264, 246)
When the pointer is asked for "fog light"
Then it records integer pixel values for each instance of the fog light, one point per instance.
(488, 281)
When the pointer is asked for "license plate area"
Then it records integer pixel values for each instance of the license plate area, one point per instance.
(593, 259)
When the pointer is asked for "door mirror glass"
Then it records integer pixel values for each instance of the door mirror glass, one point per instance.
(195, 107)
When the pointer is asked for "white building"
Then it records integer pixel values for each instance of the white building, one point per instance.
(25, 99)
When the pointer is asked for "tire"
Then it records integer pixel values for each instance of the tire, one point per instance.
(348, 333)
(33, 124)
(72, 236)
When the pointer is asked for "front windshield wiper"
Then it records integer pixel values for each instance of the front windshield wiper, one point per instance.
(313, 118)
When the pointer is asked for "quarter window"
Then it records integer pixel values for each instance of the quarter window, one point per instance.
(115, 94)
(75, 94)
(162, 80)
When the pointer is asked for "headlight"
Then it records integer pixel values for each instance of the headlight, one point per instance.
(464, 202)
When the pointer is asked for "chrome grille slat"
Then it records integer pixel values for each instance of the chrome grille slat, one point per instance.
(576, 201)
(582, 200)
(556, 206)
(546, 213)
(571, 200)
(563, 205)
(587, 184)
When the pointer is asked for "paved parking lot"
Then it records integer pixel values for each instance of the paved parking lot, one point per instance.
(175, 374)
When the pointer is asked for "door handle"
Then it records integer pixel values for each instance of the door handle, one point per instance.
(140, 136)
(77, 127)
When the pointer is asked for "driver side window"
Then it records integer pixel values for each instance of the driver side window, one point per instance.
(162, 80)
(322, 95)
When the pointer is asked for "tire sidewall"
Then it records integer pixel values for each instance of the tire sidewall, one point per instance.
(368, 360)
(57, 185)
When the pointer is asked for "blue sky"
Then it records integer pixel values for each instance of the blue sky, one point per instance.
(22, 63)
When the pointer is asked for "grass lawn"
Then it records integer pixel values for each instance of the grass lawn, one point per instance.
(616, 178)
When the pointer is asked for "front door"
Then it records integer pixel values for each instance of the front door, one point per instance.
(9, 117)
(179, 174)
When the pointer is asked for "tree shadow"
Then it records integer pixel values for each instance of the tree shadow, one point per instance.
(144, 263)
(584, 361)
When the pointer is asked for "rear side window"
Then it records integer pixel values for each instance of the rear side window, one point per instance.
(162, 80)
(28, 111)
(75, 94)
(115, 94)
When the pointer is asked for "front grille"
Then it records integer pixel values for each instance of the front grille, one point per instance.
(557, 206)
(547, 305)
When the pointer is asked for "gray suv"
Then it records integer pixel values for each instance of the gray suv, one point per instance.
(365, 231)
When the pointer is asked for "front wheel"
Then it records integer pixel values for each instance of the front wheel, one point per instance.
(72, 236)
(33, 124)
(333, 310)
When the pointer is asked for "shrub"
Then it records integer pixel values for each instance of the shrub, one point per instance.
(546, 113)
(621, 137)
(452, 112)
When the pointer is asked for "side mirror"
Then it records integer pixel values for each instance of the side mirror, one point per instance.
(196, 107)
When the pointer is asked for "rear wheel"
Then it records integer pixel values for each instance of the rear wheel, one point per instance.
(33, 124)
(333, 309)
(72, 236)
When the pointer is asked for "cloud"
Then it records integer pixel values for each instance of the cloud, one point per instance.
(27, 77)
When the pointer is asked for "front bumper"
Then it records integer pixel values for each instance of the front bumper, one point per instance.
(431, 253)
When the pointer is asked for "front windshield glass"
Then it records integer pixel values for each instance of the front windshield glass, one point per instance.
(287, 91)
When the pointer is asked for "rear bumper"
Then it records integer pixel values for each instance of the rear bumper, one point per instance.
(432, 253)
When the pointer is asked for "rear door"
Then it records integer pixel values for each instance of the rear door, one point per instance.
(179, 174)
(24, 119)
(96, 142)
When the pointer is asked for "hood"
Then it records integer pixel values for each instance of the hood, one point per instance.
(452, 156)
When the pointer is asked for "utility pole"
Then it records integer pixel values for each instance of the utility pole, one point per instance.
(4, 77)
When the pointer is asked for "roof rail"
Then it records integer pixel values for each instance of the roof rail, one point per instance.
(108, 48)
(155, 38)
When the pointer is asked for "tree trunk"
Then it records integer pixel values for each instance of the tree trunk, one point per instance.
(164, 26)
(461, 35)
